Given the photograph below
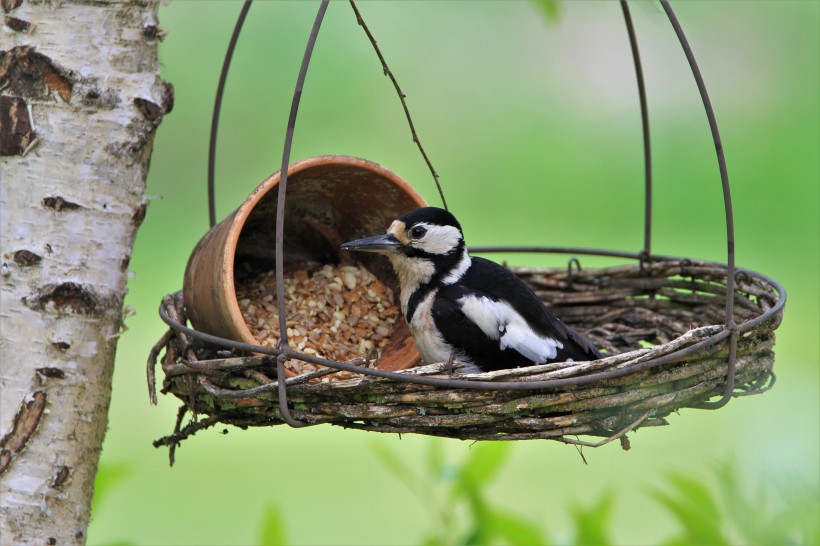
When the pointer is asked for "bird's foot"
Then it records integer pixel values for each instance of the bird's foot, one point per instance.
(450, 362)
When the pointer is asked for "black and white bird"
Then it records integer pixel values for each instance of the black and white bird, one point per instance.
(468, 307)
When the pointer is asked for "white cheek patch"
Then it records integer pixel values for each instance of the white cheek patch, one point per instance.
(498, 320)
(438, 239)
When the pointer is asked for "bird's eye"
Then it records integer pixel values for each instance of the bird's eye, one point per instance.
(418, 232)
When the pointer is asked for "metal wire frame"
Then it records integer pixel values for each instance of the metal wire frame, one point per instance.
(220, 91)
(283, 351)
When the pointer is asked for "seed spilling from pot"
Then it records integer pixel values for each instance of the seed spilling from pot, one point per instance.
(336, 312)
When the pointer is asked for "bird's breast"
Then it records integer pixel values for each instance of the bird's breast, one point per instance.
(429, 342)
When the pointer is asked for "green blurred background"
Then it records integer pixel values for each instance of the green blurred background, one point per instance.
(533, 124)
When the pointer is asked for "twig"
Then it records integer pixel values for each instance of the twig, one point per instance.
(629, 428)
(150, 368)
(172, 449)
(172, 305)
(402, 96)
(228, 393)
(759, 385)
(257, 376)
(217, 365)
(173, 440)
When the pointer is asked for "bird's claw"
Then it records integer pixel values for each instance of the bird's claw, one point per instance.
(450, 362)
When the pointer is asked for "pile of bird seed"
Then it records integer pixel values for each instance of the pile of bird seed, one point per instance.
(333, 312)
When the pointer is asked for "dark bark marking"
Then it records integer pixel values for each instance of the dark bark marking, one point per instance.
(16, 131)
(96, 97)
(18, 25)
(58, 203)
(139, 215)
(125, 263)
(68, 297)
(32, 75)
(167, 96)
(26, 258)
(150, 110)
(132, 151)
(61, 345)
(25, 424)
(61, 476)
(10, 5)
(151, 31)
(55, 373)
(51, 541)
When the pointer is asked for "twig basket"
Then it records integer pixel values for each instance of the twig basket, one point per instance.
(675, 305)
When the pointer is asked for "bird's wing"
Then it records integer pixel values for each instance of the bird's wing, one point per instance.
(462, 332)
(489, 278)
(499, 321)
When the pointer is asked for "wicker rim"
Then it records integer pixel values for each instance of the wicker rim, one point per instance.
(605, 398)
(286, 353)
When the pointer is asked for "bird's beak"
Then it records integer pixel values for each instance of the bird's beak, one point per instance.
(378, 243)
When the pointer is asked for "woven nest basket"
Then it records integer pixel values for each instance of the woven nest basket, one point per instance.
(660, 324)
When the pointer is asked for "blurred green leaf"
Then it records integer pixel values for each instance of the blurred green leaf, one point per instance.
(549, 8)
(746, 511)
(592, 524)
(109, 476)
(799, 519)
(435, 457)
(400, 470)
(432, 540)
(482, 465)
(695, 509)
(481, 529)
(272, 529)
(516, 530)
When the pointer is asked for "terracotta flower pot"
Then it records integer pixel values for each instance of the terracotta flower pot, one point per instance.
(330, 199)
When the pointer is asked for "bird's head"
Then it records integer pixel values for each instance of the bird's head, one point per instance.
(423, 244)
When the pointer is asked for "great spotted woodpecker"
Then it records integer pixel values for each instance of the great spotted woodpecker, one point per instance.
(465, 307)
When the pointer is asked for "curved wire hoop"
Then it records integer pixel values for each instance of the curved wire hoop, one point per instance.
(284, 352)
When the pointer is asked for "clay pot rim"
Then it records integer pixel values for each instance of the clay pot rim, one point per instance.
(271, 182)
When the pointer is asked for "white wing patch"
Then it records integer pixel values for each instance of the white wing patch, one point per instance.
(498, 320)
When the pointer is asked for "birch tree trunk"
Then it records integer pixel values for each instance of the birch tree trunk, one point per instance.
(80, 99)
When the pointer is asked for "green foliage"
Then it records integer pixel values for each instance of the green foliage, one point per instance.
(693, 506)
(720, 510)
(455, 495)
(715, 511)
(593, 524)
(549, 8)
(735, 515)
(272, 530)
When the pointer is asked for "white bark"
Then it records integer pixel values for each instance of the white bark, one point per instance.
(87, 75)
